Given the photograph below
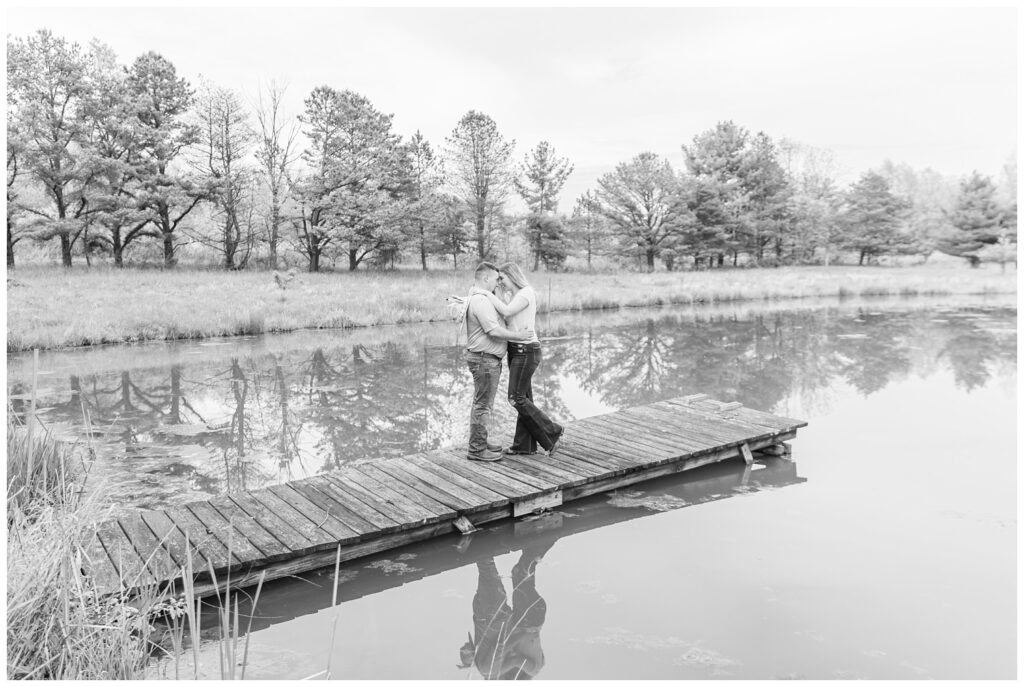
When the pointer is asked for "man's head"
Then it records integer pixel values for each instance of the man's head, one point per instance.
(486, 275)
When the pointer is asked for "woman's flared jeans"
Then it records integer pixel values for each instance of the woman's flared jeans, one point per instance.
(533, 426)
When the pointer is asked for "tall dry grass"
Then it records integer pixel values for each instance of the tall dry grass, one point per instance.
(53, 308)
(60, 624)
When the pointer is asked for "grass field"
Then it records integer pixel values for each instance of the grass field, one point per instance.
(53, 308)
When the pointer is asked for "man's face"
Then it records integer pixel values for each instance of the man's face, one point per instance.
(489, 279)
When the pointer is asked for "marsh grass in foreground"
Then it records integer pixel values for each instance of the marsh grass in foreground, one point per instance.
(54, 308)
(59, 624)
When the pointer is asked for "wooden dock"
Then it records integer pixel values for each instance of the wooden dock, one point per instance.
(375, 506)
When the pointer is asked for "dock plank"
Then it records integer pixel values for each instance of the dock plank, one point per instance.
(212, 549)
(436, 507)
(345, 533)
(321, 518)
(152, 551)
(537, 483)
(97, 565)
(470, 502)
(174, 540)
(269, 520)
(294, 517)
(590, 440)
(272, 547)
(236, 542)
(563, 476)
(611, 439)
(389, 515)
(673, 441)
(716, 428)
(401, 474)
(484, 494)
(344, 509)
(493, 480)
(374, 514)
(130, 567)
(412, 507)
(573, 451)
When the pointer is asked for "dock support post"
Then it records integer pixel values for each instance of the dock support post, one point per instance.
(463, 525)
(748, 457)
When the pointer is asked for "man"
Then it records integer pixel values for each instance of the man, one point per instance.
(485, 348)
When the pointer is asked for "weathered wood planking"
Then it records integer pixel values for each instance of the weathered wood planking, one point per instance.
(371, 507)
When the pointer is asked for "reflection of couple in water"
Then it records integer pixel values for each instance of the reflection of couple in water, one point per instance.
(505, 644)
(500, 318)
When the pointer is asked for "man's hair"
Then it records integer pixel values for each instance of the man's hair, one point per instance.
(486, 266)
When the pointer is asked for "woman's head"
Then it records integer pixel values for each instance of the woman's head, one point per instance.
(513, 274)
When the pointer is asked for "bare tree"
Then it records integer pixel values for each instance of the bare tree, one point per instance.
(225, 138)
(276, 152)
(641, 197)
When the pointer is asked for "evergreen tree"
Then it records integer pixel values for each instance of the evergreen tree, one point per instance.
(709, 236)
(588, 228)
(751, 184)
(545, 234)
(545, 174)
(767, 193)
(50, 80)
(871, 217)
(425, 209)
(115, 139)
(454, 228)
(357, 184)
(162, 102)
(975, 220)
(479, 159)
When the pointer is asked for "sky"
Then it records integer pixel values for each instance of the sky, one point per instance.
(931, 87)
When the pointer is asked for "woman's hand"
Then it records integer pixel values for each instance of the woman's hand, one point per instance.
(499, 304)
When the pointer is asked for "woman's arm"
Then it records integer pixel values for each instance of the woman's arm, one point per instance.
(504, 309)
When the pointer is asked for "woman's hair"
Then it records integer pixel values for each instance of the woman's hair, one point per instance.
(515, 274)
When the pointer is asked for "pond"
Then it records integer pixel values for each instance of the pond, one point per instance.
(886, 548)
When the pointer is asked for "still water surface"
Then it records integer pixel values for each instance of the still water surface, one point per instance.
(885, 549)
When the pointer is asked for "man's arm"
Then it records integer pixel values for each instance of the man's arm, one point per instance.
(499, 332)
(487, 316)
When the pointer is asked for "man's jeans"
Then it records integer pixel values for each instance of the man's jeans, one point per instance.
(486, 370)
(533, 425)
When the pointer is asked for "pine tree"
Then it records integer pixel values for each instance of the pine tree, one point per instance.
(479, 162)
(163, 101)
(50, 79)
(545, 174)
(871, 218)
(975, 220)
(425, 210)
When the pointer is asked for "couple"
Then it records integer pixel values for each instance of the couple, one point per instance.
(505, 644)
(489, 338)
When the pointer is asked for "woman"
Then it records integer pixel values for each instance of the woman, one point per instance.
(533, 426)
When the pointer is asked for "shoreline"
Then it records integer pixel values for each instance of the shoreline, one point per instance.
(247, 305)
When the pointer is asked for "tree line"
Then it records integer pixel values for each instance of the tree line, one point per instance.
(103, 157)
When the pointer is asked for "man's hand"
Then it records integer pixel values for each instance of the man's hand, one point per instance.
(518, 336)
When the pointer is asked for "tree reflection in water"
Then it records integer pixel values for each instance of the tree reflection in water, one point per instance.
(220, 421)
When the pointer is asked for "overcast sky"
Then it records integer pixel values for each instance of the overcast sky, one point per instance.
(928, 86)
